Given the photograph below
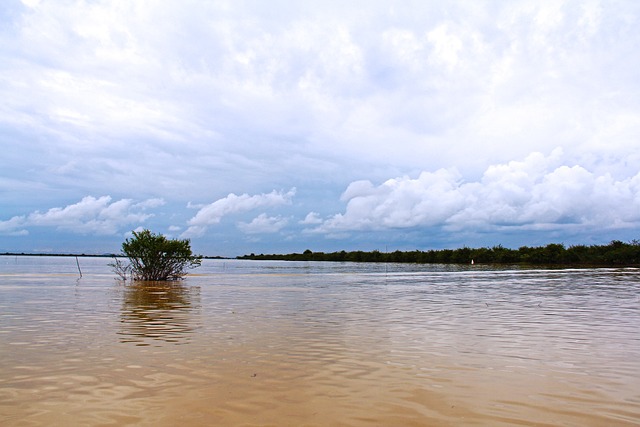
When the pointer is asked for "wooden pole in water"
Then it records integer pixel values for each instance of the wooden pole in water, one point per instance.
(78, 264)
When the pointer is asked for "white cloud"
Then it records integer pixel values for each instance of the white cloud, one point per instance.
(214, 212)
(446, 45)
(150, 203)
(91, 215)
(311, 218)
(537, 193)
(31, 3)
(263, 224)
(401, 202)
(14, 227)
(195, 205)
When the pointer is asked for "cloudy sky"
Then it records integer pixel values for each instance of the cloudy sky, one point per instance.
(277, 126)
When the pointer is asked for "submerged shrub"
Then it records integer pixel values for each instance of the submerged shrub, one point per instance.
(154, 257)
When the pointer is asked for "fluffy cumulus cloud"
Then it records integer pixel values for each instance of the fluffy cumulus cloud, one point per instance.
(263, 224)
(311, 218)
(214, 212)
(538, 193)
(97, 216)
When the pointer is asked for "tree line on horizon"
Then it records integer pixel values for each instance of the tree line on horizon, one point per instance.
(616, 253)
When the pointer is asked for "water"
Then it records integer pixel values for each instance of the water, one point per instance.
(242, 343)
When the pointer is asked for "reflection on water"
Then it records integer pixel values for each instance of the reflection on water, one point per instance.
(157, 311)
(270, 343)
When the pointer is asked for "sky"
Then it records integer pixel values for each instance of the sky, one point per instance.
(280, 126)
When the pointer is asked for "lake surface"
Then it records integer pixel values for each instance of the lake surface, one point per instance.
(247, 343)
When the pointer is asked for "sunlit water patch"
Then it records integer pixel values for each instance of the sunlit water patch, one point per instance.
(281, 343)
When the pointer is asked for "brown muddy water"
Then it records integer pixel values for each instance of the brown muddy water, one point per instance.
(245, 343)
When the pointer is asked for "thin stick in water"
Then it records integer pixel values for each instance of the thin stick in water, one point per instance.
(78, 264)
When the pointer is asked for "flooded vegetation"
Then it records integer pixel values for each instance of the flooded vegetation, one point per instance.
(303, 343)
(616, 253)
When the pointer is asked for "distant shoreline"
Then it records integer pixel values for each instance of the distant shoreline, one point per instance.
(616, 254)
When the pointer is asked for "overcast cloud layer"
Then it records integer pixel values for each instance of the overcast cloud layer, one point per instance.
(280, 126)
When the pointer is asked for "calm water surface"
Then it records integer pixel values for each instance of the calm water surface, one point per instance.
(244, 343)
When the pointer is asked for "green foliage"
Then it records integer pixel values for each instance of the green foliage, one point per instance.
(616, 253)
(154, 257)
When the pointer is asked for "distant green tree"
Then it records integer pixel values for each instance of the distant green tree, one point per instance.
(154, 257)
(462, 256)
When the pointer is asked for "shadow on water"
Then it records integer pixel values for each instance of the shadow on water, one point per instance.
(154, 313)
